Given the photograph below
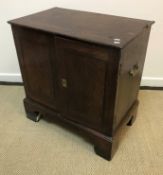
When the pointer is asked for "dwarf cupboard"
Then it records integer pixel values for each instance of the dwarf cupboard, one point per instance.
(82, 68)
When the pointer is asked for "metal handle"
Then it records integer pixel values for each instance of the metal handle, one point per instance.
(64, 82)
(134, 71)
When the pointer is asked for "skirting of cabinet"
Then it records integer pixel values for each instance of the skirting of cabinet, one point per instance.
(104, 145)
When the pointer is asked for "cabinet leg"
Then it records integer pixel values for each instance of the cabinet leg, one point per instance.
(105, 148)
(133, 117)
(103, 151)
(31, 113)
(131, 121)
(34, 116)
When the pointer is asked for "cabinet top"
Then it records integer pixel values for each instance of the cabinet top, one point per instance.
(93, 27)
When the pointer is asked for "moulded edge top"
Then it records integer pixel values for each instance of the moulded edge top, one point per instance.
(98, 28)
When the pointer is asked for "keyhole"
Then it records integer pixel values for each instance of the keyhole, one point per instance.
(64, 82)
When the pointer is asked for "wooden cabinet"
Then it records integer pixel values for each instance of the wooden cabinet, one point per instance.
(82, 68)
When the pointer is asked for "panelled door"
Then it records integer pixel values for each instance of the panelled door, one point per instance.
(36, 60)
(81, 70)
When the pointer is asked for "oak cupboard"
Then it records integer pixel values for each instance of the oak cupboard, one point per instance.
(82, 68)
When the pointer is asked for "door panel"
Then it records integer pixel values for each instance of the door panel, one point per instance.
(81, 70)
(36, 61)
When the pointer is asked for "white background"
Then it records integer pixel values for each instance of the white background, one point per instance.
(143, 9)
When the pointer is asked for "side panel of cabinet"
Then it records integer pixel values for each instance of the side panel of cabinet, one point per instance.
(81, 74)
(132, 56)
(34, 49)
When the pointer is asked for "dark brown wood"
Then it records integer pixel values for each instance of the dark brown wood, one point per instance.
(128, 85)
(36, 56)
(83, 69)
(87, 26)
